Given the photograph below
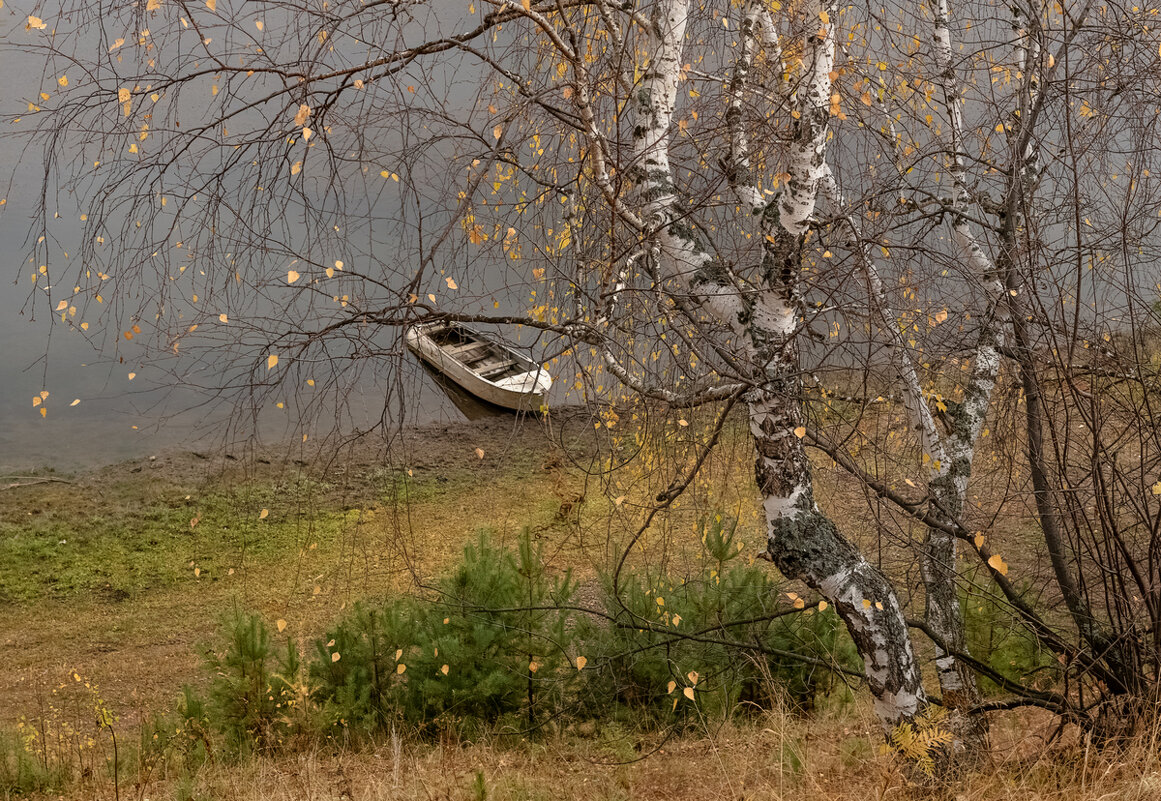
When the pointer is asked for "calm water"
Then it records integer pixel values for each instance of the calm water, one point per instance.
(117, 418)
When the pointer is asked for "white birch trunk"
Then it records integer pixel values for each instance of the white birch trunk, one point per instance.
(803, 542)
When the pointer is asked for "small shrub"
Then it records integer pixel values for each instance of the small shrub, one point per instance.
(1001, 642)
(647, 664)
(22, 772)
(356, 674)
(251, 689)
(493, 643)
(70, 736)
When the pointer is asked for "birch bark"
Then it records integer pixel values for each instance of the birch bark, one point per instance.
(764, 316)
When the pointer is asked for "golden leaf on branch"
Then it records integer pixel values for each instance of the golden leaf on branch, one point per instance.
(996, 562)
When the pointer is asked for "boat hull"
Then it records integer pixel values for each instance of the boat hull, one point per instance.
(526, 392)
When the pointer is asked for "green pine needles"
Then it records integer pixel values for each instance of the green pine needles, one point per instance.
(498, 645)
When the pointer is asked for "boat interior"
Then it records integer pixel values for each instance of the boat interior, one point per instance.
(486, 359)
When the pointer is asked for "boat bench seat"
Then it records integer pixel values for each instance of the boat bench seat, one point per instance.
(489, 369)
(469, 351)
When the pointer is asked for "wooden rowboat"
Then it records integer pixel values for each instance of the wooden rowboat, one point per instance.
(486, 369)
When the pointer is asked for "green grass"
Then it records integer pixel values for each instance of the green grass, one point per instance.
(137, 538)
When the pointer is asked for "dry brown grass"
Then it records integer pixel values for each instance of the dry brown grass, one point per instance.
(776, 757)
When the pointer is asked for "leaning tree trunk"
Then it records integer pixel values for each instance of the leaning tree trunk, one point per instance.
(805, 544)
(958, 685)
(765, 320)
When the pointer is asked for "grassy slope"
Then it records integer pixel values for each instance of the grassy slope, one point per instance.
(120, 574)
(106, 577)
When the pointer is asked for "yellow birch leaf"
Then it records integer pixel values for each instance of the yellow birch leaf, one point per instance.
(35, 23)
(688, 693)
(296, 168)
(444, 670)
(271, 361)
(1157, 488)
(75, 402)
(581, 662)
(212, 5)
(800, 432)
(479, 453)
(451, 284)
(822, 605)
(281, 624)
(671, 687)
(265, 513)
(222, 318)
(400, 668)
(996, 562)
(301, 116)
(63, 80)
(336, 656)
(533, 666)
(291, 276)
